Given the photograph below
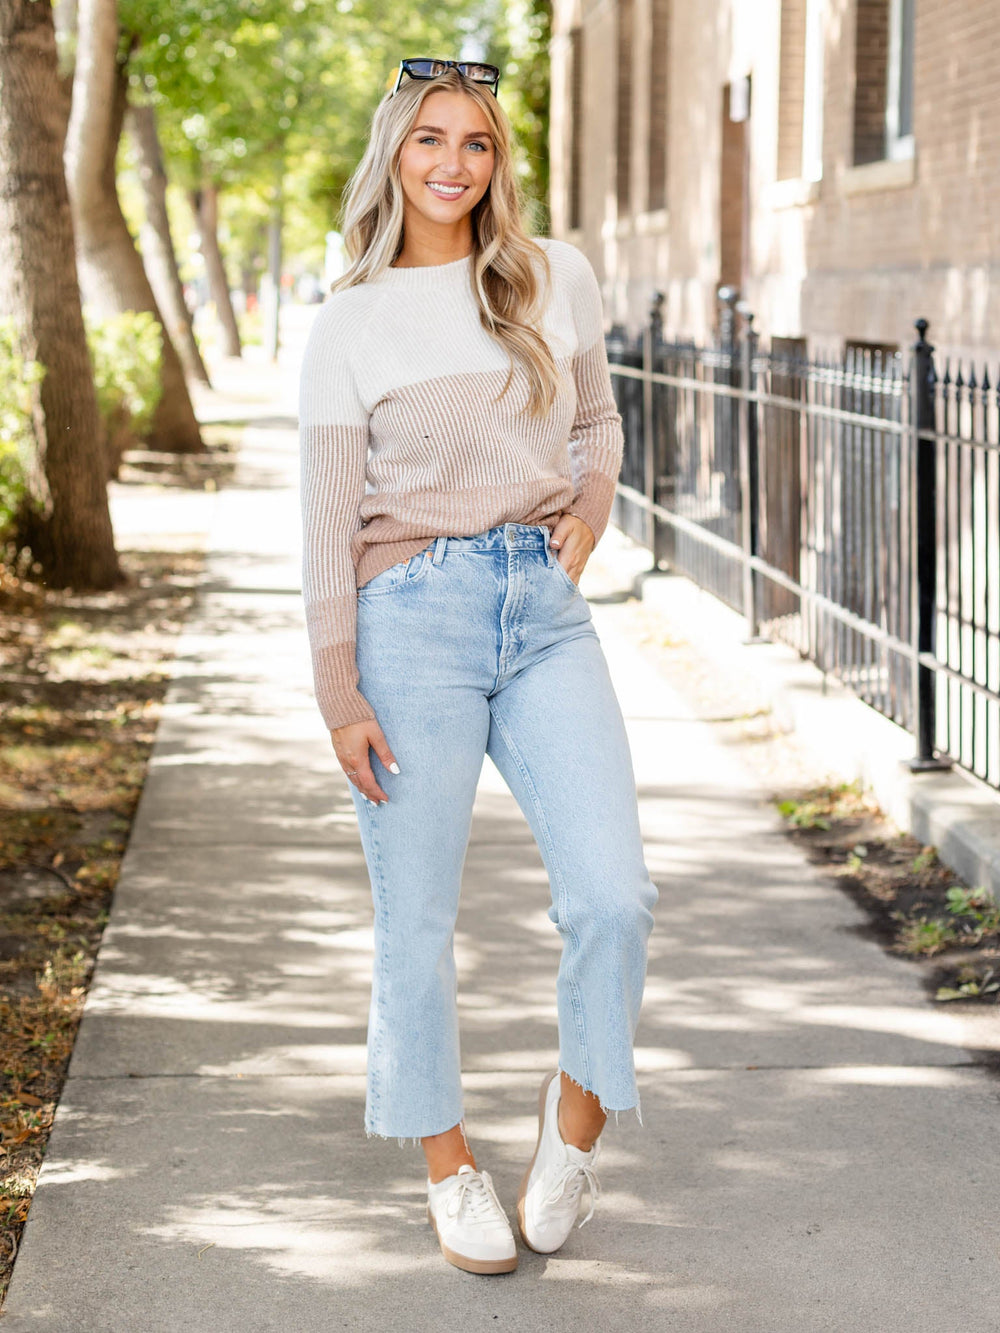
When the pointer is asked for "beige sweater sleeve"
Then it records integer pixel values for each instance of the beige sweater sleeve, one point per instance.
(597, 440)
(333, 451)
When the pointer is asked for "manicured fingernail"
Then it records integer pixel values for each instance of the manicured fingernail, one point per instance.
(394, 767)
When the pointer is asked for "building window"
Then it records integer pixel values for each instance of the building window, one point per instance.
(791, 88)
(899, 108)
(575, 128)
(883, 89)
(813, 94)
(623, 118)
(656, 189)
(800, 90)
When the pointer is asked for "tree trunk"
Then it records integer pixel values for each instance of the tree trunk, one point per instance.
(64, 18)
(272, 290)
(72, 538)
(112, 277)
(159, 256)
(205, 205)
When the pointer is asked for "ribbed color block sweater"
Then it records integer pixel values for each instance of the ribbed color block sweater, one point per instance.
(401, 441)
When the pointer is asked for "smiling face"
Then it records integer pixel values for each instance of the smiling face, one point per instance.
(445, 166)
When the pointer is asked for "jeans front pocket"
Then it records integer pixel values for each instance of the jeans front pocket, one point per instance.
(403, 574)
(565, 577)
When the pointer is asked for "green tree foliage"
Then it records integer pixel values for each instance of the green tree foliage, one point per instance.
(126, 352)
(252, 90)
(16, 429)
(522, 30)
(251, 87)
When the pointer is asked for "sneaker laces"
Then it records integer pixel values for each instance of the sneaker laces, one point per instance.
(568, 1182)
(476, 1194)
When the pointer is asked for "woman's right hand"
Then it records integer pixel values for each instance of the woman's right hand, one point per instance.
(351, 744)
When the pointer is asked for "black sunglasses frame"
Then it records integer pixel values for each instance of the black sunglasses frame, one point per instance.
(463, 66)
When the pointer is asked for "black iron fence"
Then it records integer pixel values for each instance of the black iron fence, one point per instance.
(849, 506)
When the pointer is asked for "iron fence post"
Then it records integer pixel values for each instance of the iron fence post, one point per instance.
(726, 409)
(924, 534)
(656, 461)
(648, 463)
(749, 467)
(727, 297)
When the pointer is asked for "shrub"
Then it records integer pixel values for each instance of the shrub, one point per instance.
(17, 439)
(127, 352)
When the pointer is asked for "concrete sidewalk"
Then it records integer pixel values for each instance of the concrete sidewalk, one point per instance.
(819, 1149)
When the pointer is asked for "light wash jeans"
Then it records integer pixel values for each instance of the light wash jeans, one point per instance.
(485, 645)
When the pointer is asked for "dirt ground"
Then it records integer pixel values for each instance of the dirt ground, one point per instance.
(916, 906)
(83, 677)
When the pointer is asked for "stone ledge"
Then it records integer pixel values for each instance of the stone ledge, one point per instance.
(889, 174)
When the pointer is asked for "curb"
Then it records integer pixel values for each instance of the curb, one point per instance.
(949, 810)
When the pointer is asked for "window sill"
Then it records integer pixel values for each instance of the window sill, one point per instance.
(794, 192)
(885, 175)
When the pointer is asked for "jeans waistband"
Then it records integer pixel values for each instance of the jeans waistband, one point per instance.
(503, 536)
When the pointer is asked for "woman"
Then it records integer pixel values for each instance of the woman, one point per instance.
(460, 448)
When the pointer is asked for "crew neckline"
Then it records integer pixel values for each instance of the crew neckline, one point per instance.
(423, 272)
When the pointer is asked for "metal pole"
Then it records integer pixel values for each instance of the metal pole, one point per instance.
(726, 411)
(651, 337)
(272, 288)
(727, 297)
(648, 471)
(748, 476)
(923, 547)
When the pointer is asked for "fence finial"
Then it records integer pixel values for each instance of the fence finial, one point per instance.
(656, 312)
(727, 322)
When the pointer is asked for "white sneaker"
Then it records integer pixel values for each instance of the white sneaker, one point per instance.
(553, 1184)
(472, 1228)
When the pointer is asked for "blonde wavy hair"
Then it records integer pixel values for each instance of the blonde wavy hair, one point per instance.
(505, 258)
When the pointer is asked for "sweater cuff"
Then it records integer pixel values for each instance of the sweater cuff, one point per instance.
(593, 502)
(335, 675)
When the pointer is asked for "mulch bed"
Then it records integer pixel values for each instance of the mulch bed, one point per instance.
(916, 906)
(83, 677)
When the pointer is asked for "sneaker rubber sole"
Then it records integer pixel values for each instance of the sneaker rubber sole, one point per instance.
(524, 1182)
(471, 1265)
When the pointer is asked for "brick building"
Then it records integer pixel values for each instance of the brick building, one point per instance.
(836, 160)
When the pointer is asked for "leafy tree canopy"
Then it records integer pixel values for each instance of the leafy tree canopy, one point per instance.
(250, 91)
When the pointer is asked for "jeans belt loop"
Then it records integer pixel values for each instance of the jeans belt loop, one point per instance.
(439, 548)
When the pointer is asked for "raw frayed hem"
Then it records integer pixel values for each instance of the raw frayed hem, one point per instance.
(401, 1141)
(415, 1141)
(617, 1112)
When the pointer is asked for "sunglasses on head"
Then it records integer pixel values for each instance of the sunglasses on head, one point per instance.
(426, 68)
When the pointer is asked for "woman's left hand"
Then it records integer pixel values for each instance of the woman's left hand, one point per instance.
(574, 540)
